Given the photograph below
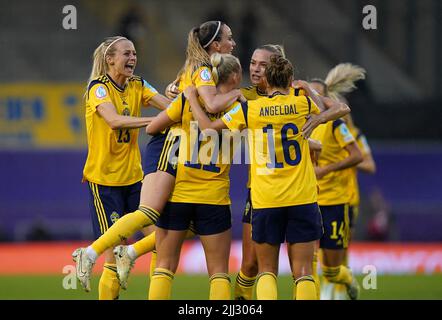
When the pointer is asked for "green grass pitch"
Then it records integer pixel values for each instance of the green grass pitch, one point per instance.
(194, 287)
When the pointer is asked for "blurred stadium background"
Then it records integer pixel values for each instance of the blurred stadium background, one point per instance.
(44, 206)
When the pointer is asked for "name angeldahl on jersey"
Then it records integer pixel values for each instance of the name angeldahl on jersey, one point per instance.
(278, 110)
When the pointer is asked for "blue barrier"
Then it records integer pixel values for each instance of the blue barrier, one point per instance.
(42, 191)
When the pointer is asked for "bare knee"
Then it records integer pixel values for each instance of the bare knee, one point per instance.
(303, 269)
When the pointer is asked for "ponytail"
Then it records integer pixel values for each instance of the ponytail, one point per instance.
(216, 60)
(198, 43)
(341, 79)
(223, 65)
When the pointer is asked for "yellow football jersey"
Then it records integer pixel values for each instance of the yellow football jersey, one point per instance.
(282, 173)
(334, 188)
(253, 93)
(202, 76)
(365, 150)
(203, 176)
(113, 155)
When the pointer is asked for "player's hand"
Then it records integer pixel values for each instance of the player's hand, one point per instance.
(295, 85)
(241, 97)
(172, 90)
(314, 156)
(190, 92)
(320, 172)
(312, 122)
(314, 145)
(305, 86)
(315, 150)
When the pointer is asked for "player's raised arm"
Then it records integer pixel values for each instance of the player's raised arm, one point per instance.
(167, 117)
(354, 157)
(204, 122)
(368, 165)
(159, 101)
(159, 123)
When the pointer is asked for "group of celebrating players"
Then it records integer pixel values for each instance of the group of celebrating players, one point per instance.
(304, 153)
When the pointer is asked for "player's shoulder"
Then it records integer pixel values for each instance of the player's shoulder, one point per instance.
(136, 81)
(296, 91)
(136, 78)
(248, 89)
(98, 80)
(336, 123)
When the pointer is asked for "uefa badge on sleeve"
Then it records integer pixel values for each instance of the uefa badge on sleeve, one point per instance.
(100, 92)
(205, 75)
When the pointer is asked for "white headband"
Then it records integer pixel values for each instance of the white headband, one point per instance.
(105, 51)
(214, 36)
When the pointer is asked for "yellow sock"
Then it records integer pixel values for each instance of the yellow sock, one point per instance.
(109, 286)
(219, 287)
(126, 226)
(315, 274)
(161, 284)
(340, 274)
(145, 245)
(306, 288)
(266, 286)
(294, 287)
(153, 263)
(244, 287)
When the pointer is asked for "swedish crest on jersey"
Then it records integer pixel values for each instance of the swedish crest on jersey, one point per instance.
(126, 112)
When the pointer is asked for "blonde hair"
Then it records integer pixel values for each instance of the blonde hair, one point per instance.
(341, 79)
(223, 65)
(106, 48)
(198, 42)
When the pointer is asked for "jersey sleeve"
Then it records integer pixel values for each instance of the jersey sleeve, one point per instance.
(98, 94)
(148, 92)
(175, 108)
(361, 140)
(342, 133)
(203, 77)
(297, 91)
(235, 118)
